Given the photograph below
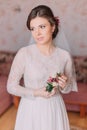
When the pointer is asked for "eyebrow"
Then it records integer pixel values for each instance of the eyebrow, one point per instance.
(38, 25)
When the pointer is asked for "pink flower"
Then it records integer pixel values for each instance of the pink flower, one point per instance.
(52, 82)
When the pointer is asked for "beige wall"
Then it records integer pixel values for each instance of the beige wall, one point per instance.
(72, 13)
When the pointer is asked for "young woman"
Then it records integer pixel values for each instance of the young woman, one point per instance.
(40, 109)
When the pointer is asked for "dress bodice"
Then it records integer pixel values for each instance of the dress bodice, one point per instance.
(39, 67)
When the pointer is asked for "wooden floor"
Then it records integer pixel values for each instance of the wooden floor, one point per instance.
(7, 120)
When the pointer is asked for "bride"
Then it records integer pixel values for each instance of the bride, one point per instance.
(40, 109)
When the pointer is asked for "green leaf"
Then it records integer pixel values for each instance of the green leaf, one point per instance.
(50, 84)
(49, 87)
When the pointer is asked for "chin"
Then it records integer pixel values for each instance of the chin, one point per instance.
(40, 42)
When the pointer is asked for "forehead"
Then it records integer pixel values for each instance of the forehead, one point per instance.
(38, 21)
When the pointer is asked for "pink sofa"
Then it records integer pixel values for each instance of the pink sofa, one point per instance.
(77, 101)
(5, 64)
(5, 98)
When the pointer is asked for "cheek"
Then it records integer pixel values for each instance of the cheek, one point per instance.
(33, 34)
(48, 32)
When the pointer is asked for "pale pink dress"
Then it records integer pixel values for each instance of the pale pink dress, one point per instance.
(38, 113)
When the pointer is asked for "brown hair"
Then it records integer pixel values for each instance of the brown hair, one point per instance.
(45, 12)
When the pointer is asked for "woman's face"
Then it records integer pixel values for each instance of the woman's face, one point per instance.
(41, 30)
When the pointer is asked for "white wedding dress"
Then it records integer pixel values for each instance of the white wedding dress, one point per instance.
(38, 113)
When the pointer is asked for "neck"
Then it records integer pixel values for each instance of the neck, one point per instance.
(46, 49)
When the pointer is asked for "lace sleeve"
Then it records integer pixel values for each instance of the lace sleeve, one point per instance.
(70, 73)
(16, 73)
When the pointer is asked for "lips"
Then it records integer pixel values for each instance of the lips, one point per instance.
(40, 38)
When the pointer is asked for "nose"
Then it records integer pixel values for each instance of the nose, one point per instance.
(38, 32)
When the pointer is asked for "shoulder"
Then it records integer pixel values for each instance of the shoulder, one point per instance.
(24, 50)
(63, 53)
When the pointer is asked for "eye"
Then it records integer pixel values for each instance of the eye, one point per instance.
(42, 26)
(32, 29)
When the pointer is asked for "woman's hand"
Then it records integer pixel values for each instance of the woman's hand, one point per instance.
(62, 81)
(54, 91)
(42, 93)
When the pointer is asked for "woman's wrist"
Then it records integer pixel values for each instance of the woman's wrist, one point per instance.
(62, 88)
(36, 93)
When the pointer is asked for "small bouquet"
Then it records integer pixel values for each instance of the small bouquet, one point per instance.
(52, 82)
